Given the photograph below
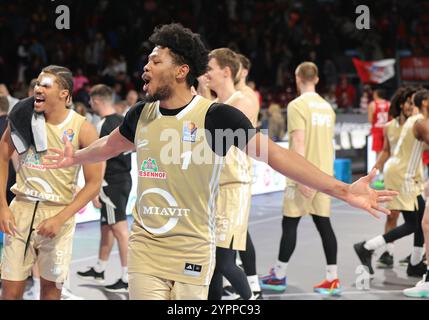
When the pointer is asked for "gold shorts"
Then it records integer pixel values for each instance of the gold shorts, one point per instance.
(295, 204)
(146, 287)
(232, 215)
(52, 255)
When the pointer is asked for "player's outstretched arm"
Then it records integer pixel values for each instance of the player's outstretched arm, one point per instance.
(291, 164)
(101, 150)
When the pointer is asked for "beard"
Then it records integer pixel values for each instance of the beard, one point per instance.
(162, 93)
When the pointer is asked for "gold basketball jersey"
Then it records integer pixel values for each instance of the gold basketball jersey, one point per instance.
(393, 132)
(310, 112)
(237, 166)
(178, 179)
(404, 168)
(34, 182)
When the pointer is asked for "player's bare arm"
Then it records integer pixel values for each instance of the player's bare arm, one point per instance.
(291, 164)
(7, 222)
(385, 154)
(101, 150)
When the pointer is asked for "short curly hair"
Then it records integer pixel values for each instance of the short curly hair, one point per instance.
(399, 98)
(186, 46)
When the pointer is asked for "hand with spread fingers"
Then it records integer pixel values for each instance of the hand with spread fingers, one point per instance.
(361, 196)
(60, 158)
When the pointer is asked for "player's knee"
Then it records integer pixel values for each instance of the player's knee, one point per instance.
(392, 218)
(120, 232)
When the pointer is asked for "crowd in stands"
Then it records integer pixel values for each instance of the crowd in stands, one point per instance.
(107, 41)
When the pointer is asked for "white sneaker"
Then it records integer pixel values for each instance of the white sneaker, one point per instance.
(66, 294)
(421, 290)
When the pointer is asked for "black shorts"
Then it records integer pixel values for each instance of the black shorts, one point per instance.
(114, 200)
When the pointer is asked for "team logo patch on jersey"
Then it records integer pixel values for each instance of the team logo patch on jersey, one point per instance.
(193, 270)
(69, 133)
(150, 169)
(32, 161)
(189, 132)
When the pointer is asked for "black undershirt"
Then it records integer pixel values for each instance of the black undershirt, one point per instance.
(219, 117)
(120, 165)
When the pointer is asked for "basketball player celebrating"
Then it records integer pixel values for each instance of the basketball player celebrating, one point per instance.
(235, 181)
(402, 174)
(248, 256)
(311, 123)
(421, 100)
(172, 245)
(40, 221)
(400, 110)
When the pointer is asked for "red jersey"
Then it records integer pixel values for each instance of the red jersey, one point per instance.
(381, 114)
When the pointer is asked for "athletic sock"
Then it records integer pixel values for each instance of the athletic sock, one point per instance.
(374, 243)
(331, 272)
(280, 269)
(125, 274)
(100, 266)
(416, 255)
(254, 283)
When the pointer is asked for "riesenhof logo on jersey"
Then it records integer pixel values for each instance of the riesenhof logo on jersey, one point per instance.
(32, 161)
(150, 169)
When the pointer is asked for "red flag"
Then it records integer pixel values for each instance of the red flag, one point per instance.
(375, 71)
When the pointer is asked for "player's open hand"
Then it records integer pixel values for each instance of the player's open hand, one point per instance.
(360, 195)
(60, 158)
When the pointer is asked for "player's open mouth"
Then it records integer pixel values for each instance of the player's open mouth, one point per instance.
(146, 84)
(39, 101)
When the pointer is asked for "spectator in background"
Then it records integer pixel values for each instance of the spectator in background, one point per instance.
(5, 92)
(132, 98)
(38, 50)
(79, 80)
(23, 56)
(330, 73)
(331, 98)
(121, 107)
(345, 94)
(365, 99)
(117, 92)
(30, 91)
(82, 95)
(80, 108)
(276, 122)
